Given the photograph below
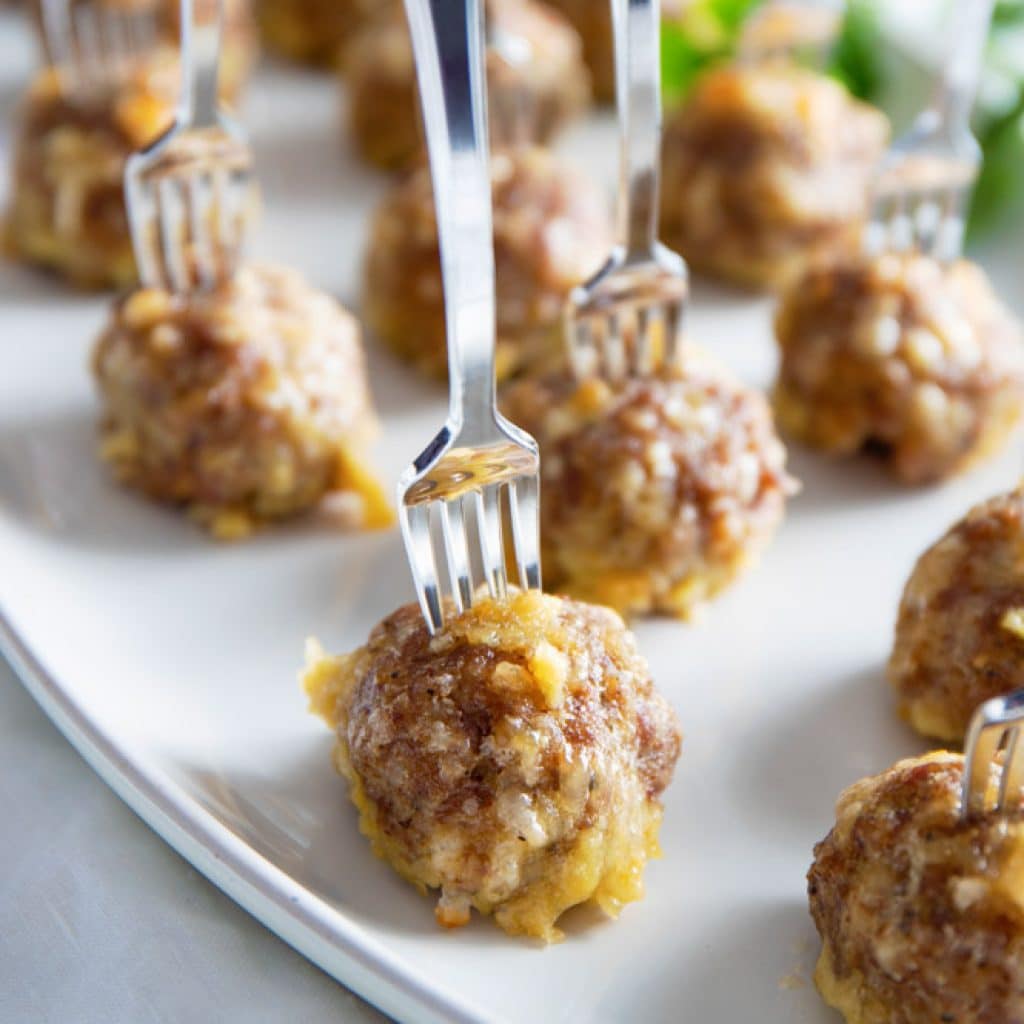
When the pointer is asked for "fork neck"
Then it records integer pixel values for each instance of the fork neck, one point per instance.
(200, 61)
(448, 41)
(637, 32)
(957, 87)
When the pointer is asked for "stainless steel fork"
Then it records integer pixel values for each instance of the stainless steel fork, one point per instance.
(453, 498)
(994, 737)
(924, 183)
(628, 318)
(190, 194)
(93, 44)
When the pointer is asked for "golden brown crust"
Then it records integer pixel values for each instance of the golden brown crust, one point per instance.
(551, 231)
(657, 492)
(531, 99)
(246, 404)
(514, 761)
(67, 210)
(765, 169)
(960, 633)
(921, 915)
(920, 363)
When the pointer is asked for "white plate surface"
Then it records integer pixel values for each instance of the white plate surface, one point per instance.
(171, 661)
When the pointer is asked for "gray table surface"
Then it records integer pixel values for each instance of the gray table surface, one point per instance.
(101, 921)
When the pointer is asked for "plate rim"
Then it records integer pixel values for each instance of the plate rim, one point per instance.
(307, 923)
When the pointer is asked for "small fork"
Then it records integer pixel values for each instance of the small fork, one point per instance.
(924, 182)
(453, 498)
(629, 318)
(995, 736)
(190, 193)
(93, 44)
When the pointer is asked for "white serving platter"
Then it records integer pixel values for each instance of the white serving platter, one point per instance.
(170, 661)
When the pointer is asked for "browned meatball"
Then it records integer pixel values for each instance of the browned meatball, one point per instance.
(514, 761)
(245, 404)
(66, 210)
(317, 31)
(766, 168)
(917, 362)
(960, 633)
(551, 230)
(658, 491)
(921, 915)
(533, 89)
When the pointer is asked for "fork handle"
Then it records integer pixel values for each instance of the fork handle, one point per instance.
(637, 32)
(958, 83)
(448, 42)
(200, 64)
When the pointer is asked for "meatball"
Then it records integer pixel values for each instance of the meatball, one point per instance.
(917, 362)
(593, 21)
(551, 231)
(921, 914)
(514, 761)
(534, 88)
(657, 491)
(245, 404)
(960, 632)
(316, 31)
(766, 168)
(67, 210)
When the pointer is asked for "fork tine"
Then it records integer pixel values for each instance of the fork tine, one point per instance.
(415, 523)
(614, 347)
(925, 218)
(201, 255)
(488, 510)
(980, 749)
(675, 322)
(1012, 777)
(173, 234)
(949, 237)
(643, 348)
(524, 513)
(453, 527)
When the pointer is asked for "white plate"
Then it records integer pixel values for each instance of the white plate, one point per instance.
(171, 662)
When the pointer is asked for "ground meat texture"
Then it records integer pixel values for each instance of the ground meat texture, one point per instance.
(317, 31)
(551, 231)
(67, 211)
(657, 491)
(765, 169)
(917, 362)
(245, 404)
(532, 94)
(960, 633)
(921, 915)
(514, 762)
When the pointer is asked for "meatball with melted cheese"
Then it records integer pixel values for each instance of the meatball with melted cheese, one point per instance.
(514, 762)
(921, 914)
(765, 169)
(551, 231)
(960, 632)
(245, 404)
(659, 490)
(916, 362)
(536, 82)
(67, 211)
